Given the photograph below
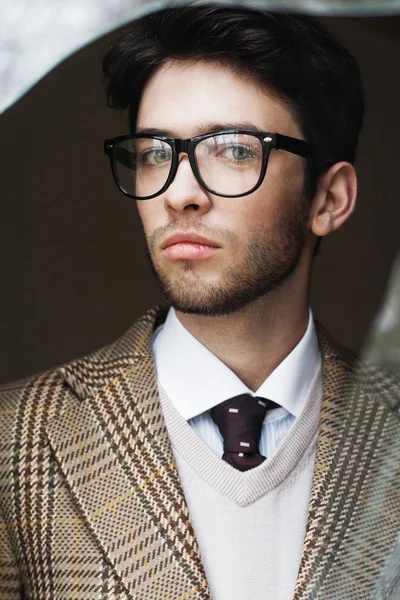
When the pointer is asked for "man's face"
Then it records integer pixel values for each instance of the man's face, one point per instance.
(256, 240)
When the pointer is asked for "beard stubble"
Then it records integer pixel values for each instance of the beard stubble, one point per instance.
(270, 257)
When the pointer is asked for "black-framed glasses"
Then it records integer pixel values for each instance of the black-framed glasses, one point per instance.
(229, 163)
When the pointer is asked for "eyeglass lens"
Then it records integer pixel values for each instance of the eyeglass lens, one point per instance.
(228, 164)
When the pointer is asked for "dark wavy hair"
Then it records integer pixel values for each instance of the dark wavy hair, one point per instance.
(292, 55)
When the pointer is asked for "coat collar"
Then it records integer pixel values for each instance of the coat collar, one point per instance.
(92, 372)
(115, 453)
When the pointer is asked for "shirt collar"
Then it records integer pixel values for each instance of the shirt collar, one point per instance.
(195, 380)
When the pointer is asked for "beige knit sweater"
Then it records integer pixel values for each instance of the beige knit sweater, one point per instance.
(250, 526)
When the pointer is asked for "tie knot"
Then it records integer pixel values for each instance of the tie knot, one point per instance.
(240, 420)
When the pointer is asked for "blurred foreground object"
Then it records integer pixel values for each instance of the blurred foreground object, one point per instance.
(383, 344)
(35, 35)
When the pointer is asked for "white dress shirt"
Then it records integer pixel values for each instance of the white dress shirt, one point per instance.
(195, 380)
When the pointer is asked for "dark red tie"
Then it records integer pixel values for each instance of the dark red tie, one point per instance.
(240, 420)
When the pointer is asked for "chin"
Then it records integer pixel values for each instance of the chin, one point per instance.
(212, 300)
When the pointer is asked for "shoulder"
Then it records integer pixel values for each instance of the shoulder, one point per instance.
(27, 393)
(380, 385)
(24, 399)
(11, 393)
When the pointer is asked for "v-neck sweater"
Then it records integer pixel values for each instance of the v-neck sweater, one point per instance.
(250, 526)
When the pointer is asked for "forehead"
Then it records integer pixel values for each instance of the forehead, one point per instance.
(187, 98)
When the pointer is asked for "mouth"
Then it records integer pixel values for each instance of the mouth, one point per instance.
(188, 246)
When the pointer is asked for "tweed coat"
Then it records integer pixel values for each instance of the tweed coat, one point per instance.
(92, 507)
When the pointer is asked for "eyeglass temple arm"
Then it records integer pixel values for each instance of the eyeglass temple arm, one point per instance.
(303, 148)
(124, 157)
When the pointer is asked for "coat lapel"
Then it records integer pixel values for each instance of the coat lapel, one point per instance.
(353, 514)
(113, 448)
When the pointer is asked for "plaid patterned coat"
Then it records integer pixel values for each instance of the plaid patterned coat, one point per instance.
(92, 507)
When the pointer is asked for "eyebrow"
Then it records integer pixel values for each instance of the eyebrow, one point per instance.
(202, 129)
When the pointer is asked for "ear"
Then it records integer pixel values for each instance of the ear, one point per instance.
(335, 198)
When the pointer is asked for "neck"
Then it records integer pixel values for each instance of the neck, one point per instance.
(254, 341)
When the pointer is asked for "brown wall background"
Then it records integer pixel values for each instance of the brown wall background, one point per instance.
(74, 274)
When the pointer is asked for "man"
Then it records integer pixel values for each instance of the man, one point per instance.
(225, 447)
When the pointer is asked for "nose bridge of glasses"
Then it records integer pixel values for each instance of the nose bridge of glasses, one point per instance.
(182, 146)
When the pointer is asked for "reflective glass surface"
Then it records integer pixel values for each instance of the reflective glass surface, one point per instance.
(228, 164)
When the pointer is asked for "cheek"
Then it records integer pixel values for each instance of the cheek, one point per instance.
(260, 208)
(285, 175)
(149, 213)
(281, 189)
(276, 196)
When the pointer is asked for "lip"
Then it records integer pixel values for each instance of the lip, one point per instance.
(188, 238)
(189, 246)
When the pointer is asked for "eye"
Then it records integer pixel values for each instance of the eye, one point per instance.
(155, 157)
(239, 153)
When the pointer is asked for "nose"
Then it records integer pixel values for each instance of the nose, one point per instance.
(185, 193)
